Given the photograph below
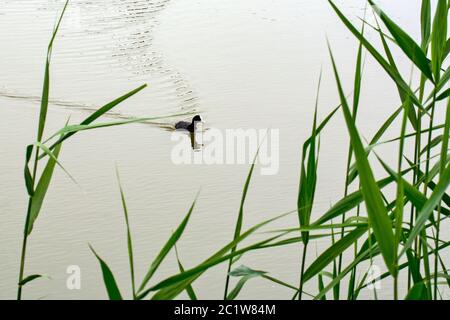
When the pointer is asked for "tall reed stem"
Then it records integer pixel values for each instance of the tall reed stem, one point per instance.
(443, 161)
(300, 288)
(25, 232)
(422, 239)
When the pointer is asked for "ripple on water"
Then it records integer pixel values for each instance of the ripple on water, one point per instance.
(103, 41)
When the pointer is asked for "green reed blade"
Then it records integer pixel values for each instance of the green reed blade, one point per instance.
(129, 239)
(333, 252)
(27, 174)
(46, 86)
(239, 220)
(406, 43)
(341, 275)
(172, 286)
(403, 97)
(386, 66)
(51, 155)
(376, 210)
(443, 95)
(425, 22)
(29, 279)
(308, 174)
(108, 278)
(41, 189)
(348, 203)
(246, 274)
(439, 37)
(189, 289)
(98, 113)
(428, 208)
(406, 264)
(167, 247)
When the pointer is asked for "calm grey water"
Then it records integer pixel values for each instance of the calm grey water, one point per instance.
(241, 64)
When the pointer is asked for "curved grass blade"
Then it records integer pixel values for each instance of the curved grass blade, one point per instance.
(308, 175)
(439, 37)
(406, 264)
(428, 208)
(443, 95)
(27, 174)
(167, 247)
(129, 240)
(417, 292)
(342, 274)
(108, 278)
(392, 72)
(377, 212)
(239, 220)
(98, 113)
(51, 155)
(333, 252)
(414, 196)
(441, 84)
(433, 143)
(403, 97)
(189, 289)
(41, 189)
(307, 187)
(46, 86)
(425, 23)
(349, 202)
(72, 129)
(172, 286)
(246, 274)
(406, 43)
(29, 279)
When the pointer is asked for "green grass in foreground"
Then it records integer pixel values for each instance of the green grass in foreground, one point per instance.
(403, 229)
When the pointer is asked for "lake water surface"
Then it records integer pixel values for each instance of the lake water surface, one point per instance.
(239, 63)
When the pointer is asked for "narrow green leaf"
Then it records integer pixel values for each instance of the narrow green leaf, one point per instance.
(46, 85)
(98, 113)
(428, 208)
(417, 292)
(108, 278)
(443, 95)
(425, 22)
(439, 37)
(308, 175)
(333, 252)
(376, 210)
(246, 274)
(321, 286)
(27, 173)
(41, 189)
(392, 72)
(341, 275)
(167, 247)
(129, 239)
(406, 43)
(414, 266)
(29, 279)
(189, 289)
(403, 96)
(433, 143)
(48, 152)
(239, 220)
(173, 285)
(348, 202)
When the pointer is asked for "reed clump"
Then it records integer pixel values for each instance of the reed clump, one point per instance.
(367, 222)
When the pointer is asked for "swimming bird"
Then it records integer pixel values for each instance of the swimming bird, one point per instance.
(189, 126)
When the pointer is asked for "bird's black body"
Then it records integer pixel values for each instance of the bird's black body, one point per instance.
(189, 126)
